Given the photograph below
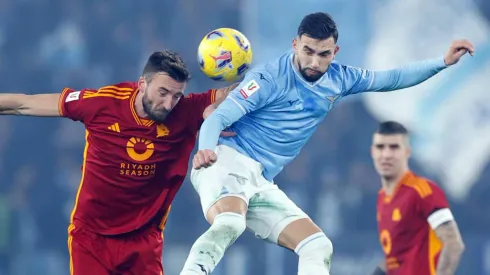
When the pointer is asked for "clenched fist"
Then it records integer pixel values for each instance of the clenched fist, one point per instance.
(204, 158)
(457, 49)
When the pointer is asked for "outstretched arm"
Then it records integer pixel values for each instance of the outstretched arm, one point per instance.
(29, 105)
(359, 80)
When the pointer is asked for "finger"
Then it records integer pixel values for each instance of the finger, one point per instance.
(461, 52)
(195, 163)
(465, 44)
(228, 134)
(213, 157)
(203, 159)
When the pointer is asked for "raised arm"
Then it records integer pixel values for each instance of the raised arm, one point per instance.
(359, 80)
(30, 105)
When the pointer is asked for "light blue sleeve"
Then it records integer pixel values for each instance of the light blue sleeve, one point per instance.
(358, 80)
(253, 93)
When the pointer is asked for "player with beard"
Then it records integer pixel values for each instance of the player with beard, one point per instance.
(139, 136)
(274, 111)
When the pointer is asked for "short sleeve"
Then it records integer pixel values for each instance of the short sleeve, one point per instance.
(73, 104)
(434, 207)
(197, 103)
(254, 92)
(356, 80)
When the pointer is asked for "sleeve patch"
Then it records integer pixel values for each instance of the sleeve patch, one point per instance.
(249, 89)
(73, 96)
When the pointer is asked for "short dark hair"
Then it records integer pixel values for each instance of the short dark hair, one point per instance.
(391, 128)
(318, 25)
(166, 62)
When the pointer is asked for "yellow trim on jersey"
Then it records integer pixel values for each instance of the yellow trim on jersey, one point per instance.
(84, 166)
(213, 95)
(71, 227)
(61, 100)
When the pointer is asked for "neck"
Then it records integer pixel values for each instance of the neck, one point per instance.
(138, 106)
(389, 183)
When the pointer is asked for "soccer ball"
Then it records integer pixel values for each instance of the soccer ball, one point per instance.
(224, 54)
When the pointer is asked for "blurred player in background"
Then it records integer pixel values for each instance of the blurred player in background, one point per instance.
(138, 141)
(274, 112)
(417, 230)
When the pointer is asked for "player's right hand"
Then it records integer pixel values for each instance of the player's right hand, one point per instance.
(204, 158)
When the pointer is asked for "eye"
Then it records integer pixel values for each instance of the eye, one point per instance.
(308, 52)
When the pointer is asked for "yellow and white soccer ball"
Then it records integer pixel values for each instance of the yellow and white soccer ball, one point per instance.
(224, 54)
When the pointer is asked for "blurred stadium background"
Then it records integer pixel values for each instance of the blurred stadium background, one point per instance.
(47, 44)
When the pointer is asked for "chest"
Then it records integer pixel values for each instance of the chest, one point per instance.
(306, 101)
(127, 140)
(400, 218)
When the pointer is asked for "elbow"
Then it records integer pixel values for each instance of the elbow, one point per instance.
(214, 120)
(456, 247)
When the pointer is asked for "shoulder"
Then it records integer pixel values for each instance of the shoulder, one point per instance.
(115, 92)
(421, 187)
(273, 71)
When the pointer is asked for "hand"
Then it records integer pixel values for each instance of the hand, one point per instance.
(457, 49)
(204, 158)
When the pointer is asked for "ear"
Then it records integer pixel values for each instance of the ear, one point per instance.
(408, 152)
(141, 84)
(295, 43)
(337, 48)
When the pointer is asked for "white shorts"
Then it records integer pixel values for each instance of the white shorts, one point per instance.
(234, 174)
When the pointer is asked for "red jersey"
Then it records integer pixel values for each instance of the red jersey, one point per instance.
(406, 236)
(132, 167)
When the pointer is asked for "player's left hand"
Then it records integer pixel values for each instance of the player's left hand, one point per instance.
(457, 49)
(203, 158)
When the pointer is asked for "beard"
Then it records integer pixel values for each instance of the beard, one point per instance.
(310, 77)
(158, 115)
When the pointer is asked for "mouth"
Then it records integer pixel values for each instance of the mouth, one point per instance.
(386, 165)
(312, 72)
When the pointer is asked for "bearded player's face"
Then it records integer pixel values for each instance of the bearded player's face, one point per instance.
(390, 154)
(313, 56)
(160, 95)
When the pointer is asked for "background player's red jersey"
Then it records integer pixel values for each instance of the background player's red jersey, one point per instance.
(132, 167)
(408, 241)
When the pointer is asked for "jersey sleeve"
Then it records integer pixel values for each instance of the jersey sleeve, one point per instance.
(254, 92)
(434, 207)
(197, 103)
(73, 104)
(356, 80)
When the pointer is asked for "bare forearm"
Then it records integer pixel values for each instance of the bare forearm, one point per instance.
(10, 104)
(452, 249)
(449, 258)
(29, 105)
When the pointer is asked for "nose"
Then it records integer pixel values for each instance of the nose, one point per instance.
(386, 154)
(167, 104)
(315, 63)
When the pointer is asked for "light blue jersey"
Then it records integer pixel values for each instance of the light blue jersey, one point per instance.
(274, 111)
